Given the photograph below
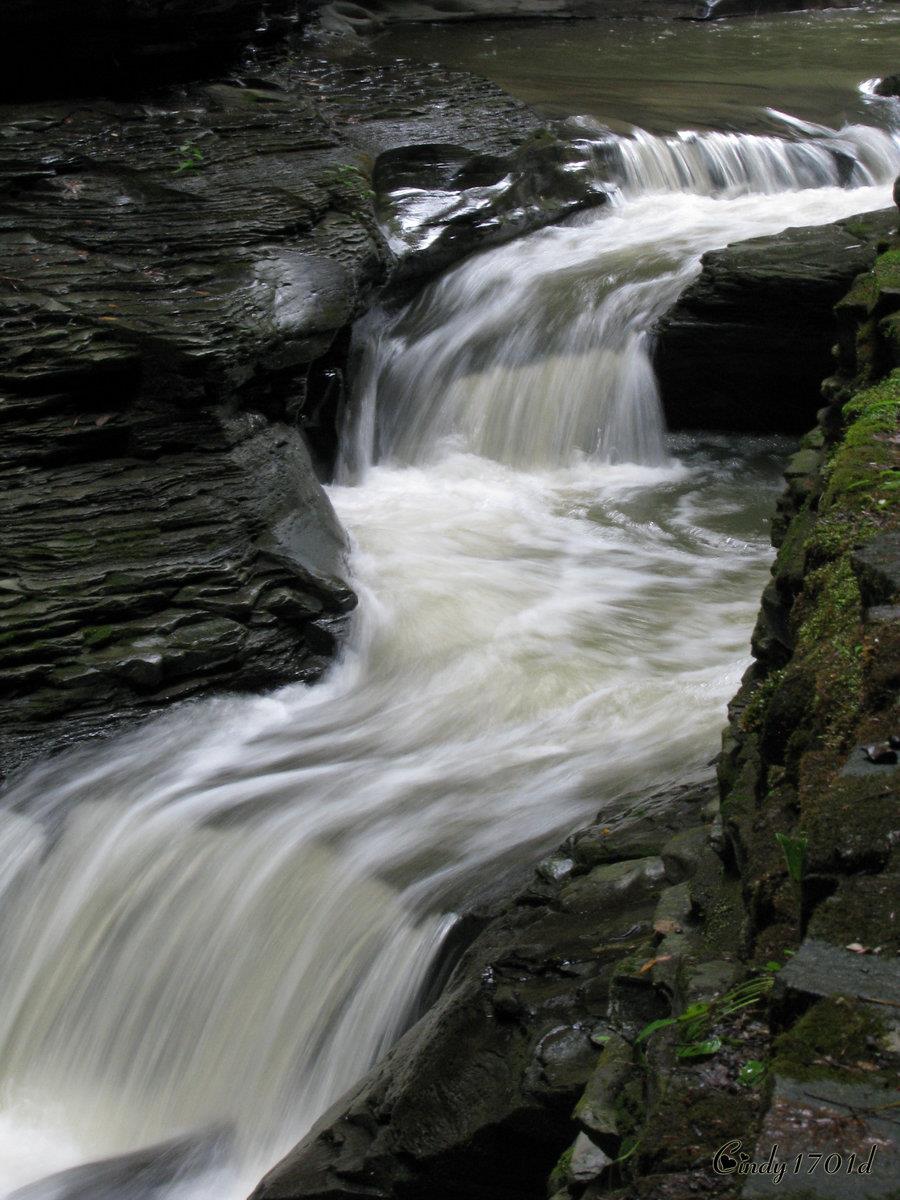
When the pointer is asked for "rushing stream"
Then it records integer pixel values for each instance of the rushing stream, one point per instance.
(222, 919)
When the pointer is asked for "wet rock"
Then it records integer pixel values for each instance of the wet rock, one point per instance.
(147, 1174)
(748, 343)
(631, 881)
(478, 1097)
(438, 203)
(181, 276)
(370, 16)
(889, 85)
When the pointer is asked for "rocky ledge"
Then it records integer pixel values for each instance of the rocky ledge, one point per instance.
(703, 996)
(178, 274)
(749, 341)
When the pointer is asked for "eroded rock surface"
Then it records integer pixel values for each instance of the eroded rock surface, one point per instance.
(748, 343)
(178, 274)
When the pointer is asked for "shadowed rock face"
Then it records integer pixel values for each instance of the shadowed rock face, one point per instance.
(748, 342)
(54, 47)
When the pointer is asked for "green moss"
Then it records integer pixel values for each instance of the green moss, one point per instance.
(828, 1041)
(753, 714)
(862, 471)
(98, 635)
(829, 649)
(559, 1173)
(689, 1124)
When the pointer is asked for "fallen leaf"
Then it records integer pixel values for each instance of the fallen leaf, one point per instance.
(651, 962)
(101, 420)
(666, 925)
(858, 948)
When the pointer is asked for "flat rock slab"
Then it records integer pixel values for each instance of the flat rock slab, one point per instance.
(820, 969)
(835, 1140)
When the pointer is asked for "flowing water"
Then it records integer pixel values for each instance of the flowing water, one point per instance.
(225, 917)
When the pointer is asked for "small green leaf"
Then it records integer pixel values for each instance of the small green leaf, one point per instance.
(794, 851)
(694, 1010)
(652, 1028)
(772, 966)
(751, 1072)
(700, 1049)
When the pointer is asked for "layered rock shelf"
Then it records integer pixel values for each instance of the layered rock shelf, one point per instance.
(749, 341)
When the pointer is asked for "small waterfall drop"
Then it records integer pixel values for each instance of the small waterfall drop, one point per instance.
(227, 915)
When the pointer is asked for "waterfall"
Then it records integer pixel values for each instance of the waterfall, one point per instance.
(226, 916)
(713, 163)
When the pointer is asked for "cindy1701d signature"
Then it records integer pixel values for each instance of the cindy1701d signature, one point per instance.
(733, 1159)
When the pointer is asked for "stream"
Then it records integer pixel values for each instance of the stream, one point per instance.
(221, 920)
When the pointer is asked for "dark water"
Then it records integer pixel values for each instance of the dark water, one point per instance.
(664, 76)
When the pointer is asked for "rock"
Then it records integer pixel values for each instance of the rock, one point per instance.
(371, 16)
(167, 532)
(821, 969)
(587, 1161)
(597, 1112)
(631, 881)
(747, 344)
(52, 48)
(147, 1174)
(478, 1096)
(835, 1119)
(437, 203)
(889, 85)
(881, 753)
(186, 271)
(877, 568)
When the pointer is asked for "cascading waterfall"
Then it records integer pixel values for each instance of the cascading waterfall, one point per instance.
(225, 917)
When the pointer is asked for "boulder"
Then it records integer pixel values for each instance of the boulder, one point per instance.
(438, 203)
(747, 344)
(888, 86)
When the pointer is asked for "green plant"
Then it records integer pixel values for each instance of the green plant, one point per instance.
(794, 849)
(695, 1022)
(751, 1072)
(190, 157)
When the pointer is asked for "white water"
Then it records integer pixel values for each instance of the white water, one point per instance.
(227, 915)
